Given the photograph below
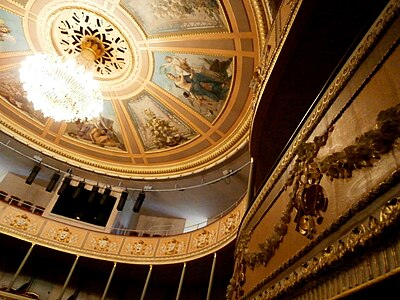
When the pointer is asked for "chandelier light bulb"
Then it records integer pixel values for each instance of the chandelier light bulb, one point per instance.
(61, 88)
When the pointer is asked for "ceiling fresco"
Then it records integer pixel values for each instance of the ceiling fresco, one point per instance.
(161, 17)
(175, 76)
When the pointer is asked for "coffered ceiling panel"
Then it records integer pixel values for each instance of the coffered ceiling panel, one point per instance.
(175, 77)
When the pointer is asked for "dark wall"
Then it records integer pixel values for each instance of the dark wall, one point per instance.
(322, 37)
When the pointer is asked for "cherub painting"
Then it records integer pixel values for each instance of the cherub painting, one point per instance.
(166, 16)
(103, 131)
(158, 127)
(202, 82)
(12, 37)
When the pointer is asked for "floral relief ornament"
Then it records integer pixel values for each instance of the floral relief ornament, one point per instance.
(103, 244)
(230, 224)
(172, 247)
(204, 239)
(307, 195)
(64, 235)
(139, 248)
(21, 221)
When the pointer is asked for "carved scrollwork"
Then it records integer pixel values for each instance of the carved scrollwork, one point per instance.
(308, 196)
(360, 236)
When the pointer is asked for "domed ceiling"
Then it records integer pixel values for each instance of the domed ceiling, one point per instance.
(155, 122)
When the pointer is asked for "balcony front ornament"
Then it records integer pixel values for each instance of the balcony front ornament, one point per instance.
(308, 196)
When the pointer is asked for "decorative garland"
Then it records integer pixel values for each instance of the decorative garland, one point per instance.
(305, 178)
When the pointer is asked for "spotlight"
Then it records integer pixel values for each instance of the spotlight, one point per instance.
(139, 202)
(53, 181)
(107, 192)
(78, 190)
(122, 200)
(33, 174)
(64, 185)
(95, 189)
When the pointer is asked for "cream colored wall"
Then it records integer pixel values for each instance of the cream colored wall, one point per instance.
(160, 225)
(15, 185)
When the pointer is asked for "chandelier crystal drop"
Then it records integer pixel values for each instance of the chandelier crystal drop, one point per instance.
(61, 88)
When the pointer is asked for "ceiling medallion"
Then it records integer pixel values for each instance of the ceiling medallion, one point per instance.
(71, 25)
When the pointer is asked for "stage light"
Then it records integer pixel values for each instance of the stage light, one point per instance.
(122, 200)
(78, 189)
(64, 185)
(139, 202)
(93, 193)
(106, 193)
(53, 181)
(33, 174)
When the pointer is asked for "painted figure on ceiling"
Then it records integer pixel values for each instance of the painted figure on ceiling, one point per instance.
(5, 32)
(207, 83)
(99, 132)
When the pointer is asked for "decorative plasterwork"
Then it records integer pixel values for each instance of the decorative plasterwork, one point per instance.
(125, 249)
(70, 27)
(272, 47)
(367, 148)
(326, 101)
(62, 25)
(306, 174)
(233, 143)
(57, 26)
(348, 247)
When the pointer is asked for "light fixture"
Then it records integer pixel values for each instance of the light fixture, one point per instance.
(64, 88)
(106, 193)
(139, 202)
(93, 193)
(122, 200)
(64, 185)
(78, 189)
(53, 181)
(33, 174)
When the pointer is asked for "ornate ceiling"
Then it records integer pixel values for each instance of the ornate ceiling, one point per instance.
(156, 122)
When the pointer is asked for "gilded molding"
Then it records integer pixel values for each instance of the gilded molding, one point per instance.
(353, 242)
(357, 207)
(326, 101)
(243, 257)
(267, 62)
(306, 175)
(261, 18)
(126, 249)
(237, 140)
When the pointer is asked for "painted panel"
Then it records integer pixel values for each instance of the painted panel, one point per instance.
(104, 131)
(12, 37)
(103, 242)
(173, 246)
(65, 234)
(21, 220)
(139, 247)
(180, 16)
(11, 90)
(201, 82)
(158, 126)
(204, 238)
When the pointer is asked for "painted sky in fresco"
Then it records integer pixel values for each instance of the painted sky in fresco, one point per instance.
(213, 76)
(12, 37)
(159, 16)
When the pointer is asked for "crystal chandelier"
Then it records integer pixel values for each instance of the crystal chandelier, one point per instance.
(64, 89)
